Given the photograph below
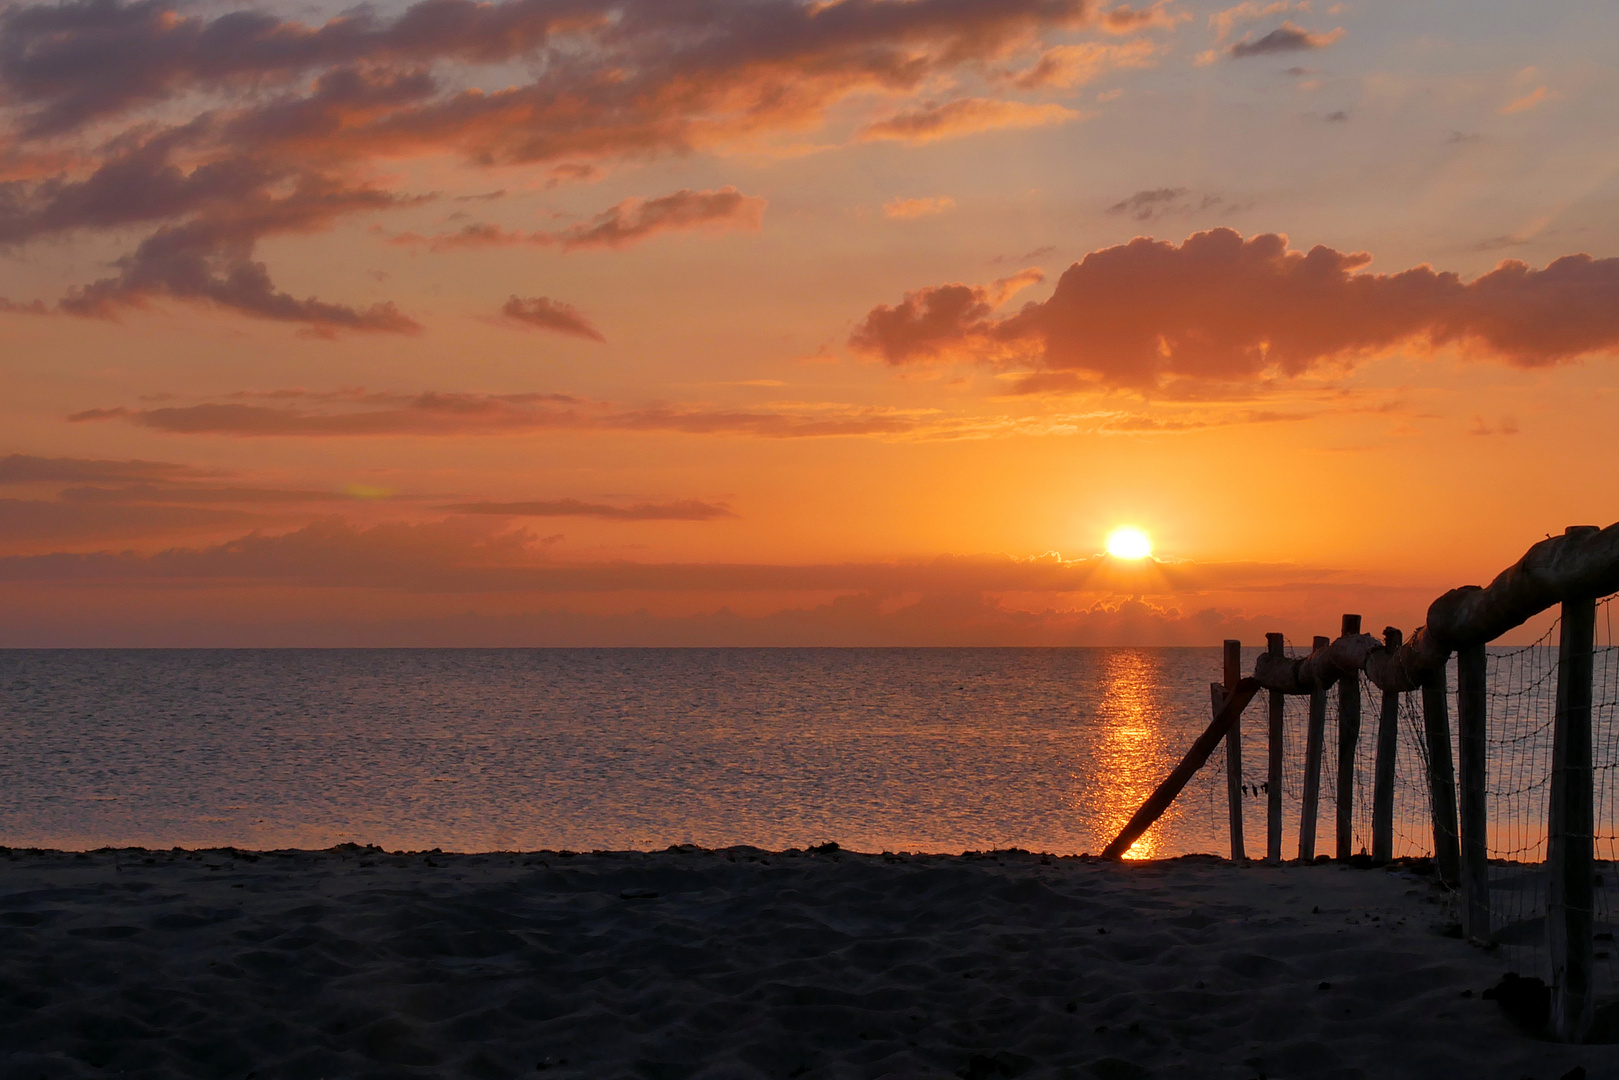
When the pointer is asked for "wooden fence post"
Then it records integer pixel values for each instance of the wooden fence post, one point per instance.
(1388, 748)
(1569, 870)
(1313, 739)
(1470, 725)
(1441, 775)
(1273, 777)
(1233, 752)
(1348, 737)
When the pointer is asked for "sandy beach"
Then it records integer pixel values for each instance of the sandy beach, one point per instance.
(739, 963)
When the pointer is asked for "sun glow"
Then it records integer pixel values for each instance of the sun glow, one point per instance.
(1128, 542)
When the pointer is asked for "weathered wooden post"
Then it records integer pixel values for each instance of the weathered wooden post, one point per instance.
(1569, 870)
(1470, 725)
(1348, 737)
(1441, 775)
(1388, 746)
(1314, 737)
(1273, 776)
(1233, 751)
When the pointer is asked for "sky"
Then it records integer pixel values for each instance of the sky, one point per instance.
(762, 322)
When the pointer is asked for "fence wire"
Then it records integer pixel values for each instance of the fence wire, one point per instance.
(1521, 702)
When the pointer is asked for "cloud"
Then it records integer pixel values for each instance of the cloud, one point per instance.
(1074, 65)
(964, 116)
(27, 469)
(1538, 96)
(130, 494)
(1224, 22)
(209, 260)
(49, 520)
(213, 129)
(634, 220)
(448, 414)
(910, 209)
(939, 322)
(1284, 39)
(1507, 425)
(466, 554)
(1151, 203)
(1217, 308)
(76, 62)
(1127, 20)
(1028, 256)
(625, 223)
(542, 313)
(360, 414)
(683, 510)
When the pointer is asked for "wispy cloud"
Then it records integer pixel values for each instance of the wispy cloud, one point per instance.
(1534, 99)
(542, 313)
(1286, 38)
(965, 116)
(682, 510)
(910, 209)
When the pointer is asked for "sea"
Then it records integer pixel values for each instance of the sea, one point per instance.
(939, 750)
(903, 750)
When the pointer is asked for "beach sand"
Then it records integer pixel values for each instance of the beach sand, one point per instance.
(739, 963)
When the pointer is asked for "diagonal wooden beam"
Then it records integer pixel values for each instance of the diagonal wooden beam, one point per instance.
(1165, 793)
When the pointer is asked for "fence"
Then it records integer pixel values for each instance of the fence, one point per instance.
(1516, 801)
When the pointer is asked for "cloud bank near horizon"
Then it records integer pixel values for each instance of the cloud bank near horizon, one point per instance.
(470, 573)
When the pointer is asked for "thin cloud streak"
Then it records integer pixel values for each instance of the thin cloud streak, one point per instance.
(966, 116)
(682, 510)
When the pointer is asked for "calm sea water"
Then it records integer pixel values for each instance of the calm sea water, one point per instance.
(897, 749)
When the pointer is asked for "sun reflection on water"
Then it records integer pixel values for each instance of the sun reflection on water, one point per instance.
(1131, 744)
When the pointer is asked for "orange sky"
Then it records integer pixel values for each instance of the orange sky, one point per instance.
(761, 322)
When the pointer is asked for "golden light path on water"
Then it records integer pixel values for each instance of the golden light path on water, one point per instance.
(1131, 744)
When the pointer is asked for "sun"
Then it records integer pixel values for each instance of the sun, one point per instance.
(1128, 542)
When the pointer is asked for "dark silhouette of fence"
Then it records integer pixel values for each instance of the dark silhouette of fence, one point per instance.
(1534, 713)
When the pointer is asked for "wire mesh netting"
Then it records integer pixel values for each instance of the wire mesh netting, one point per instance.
(1521, 698)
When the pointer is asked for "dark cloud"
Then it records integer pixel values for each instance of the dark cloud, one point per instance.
(542, 313)
(466, 554)
(1339, 117)
(1152, 203)
(634, 220)
(1219, 308)
(963, 117)
(49, 520)
(1027, 257)
(628, 222)
(210, 260)
(1284, 39)
(940, 322)
(446, 414)
(855, 620)
(185, 494)
(26, 469)
(75, 62)
(183, 118)
(683, 510)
